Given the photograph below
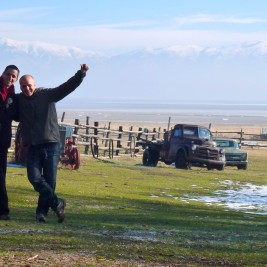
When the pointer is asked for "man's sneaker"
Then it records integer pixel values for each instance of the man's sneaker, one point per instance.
(4, 217)
(40, 218)
(59, 210)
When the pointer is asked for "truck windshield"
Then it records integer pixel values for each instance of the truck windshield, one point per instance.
(190, 131)
(204, 133)
(227, 143)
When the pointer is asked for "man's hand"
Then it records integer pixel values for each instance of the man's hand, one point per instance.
(84, 68)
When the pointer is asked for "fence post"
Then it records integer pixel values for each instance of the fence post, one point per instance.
(138, 136)
(241, 137)
(129, 140)
(63, 116)
(119, 140)
(146, 131)
(104, 134)
(159, 132)
(154, 135)
(96, 128)
(76, 122)
(107, 136)
(86, 148)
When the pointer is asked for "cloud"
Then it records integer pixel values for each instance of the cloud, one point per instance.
(115, 38)
(250, 50)
(41, 48)
(205, 18)
(23, 14)
(129, 24)
(42, 26)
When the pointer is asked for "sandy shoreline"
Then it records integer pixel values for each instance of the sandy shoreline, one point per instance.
(248, 124)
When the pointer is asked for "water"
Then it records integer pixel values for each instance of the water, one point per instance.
(160, 112)
(248, 198)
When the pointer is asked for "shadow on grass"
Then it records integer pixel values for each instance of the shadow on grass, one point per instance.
(127, 228)
(157, 229)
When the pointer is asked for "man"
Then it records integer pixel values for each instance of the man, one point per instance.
(40, 134)
(7, 114)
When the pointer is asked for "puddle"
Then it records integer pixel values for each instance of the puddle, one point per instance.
(248, 198)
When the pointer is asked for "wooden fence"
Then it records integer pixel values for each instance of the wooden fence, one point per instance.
(245, 139)
(96, 140)
(105, 141)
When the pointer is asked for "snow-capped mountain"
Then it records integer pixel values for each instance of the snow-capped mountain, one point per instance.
(175, 72)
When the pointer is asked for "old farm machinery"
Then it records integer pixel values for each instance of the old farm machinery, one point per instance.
(69, 153)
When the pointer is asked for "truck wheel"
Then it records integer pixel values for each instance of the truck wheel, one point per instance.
(150, 158)
(242, 167)
(220, 168)
(181, 160)
(209, 167)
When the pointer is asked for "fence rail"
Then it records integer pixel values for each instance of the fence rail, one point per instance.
(96, 140)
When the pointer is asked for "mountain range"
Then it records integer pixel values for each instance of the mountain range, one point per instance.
(176, 73)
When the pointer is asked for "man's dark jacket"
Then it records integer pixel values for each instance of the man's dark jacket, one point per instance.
(37, 113)
(8, 112)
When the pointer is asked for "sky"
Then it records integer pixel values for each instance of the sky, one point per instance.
(159, 49)
(119, 25)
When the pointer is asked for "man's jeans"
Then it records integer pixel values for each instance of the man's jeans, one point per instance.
(3, 193)
(42, 163)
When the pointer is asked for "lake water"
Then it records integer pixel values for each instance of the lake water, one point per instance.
(160, 112)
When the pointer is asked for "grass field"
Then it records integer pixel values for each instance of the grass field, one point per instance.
(120, 213)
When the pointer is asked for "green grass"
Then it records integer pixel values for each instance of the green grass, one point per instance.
(120, 213)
